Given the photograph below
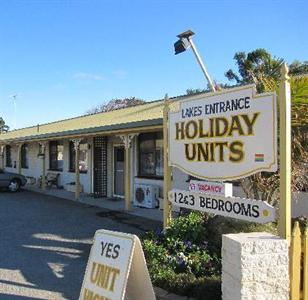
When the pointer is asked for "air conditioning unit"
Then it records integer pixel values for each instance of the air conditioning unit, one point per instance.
(146, 195)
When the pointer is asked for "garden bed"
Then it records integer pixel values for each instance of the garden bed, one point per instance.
(186, 260)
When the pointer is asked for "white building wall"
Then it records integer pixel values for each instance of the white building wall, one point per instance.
(12, 169)
(66, 176)
(35, 165)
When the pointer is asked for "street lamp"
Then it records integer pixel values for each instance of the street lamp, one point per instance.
(185, 41)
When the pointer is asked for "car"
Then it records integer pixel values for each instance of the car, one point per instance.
(12, 181)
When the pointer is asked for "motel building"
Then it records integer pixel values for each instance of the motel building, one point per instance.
(118, 154)
(116, 157)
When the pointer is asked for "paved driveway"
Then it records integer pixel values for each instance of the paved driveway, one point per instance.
(45, 243)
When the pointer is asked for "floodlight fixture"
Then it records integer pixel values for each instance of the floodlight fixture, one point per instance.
(185, 42)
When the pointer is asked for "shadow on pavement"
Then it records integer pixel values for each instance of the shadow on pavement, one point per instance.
(45, 243)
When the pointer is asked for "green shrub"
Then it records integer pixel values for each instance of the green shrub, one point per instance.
(178, 258)
(185, 258)
(188, 228)
(218, 225)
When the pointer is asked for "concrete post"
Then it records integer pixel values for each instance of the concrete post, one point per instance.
(127, 139)
(254, 266)
(43, 150)
(77, 173)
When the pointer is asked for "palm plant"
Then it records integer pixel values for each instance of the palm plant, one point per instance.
(265, 185)
(3, 126)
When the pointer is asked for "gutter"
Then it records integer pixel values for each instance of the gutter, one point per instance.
(107, 129)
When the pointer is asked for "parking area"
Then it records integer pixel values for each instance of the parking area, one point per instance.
(45, 242)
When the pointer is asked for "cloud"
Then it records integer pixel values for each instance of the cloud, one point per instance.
(120, 74)
(87, 76)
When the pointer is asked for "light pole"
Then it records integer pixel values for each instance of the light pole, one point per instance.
(185, 41)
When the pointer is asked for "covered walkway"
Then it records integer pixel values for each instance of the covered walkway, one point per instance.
(113, 204)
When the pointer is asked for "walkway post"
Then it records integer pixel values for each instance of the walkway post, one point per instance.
(2, 156)
(167, 168)
(77, 173)
(285, 154)
(127, 139)
(19, 158)
(43, 150)
(128, 203)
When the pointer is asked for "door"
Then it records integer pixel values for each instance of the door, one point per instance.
(100, 166)
(118, 167)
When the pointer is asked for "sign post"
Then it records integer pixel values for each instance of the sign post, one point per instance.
(285, 155)
(167, 169)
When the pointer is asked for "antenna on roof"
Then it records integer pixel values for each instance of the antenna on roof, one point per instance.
(15, 108)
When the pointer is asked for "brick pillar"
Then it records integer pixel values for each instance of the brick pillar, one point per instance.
(254, 266)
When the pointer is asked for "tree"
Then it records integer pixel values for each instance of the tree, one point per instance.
(3, 126)
(264, 185)
(255, 67)
(298, 68)
(195, 91)
(261, 68)
(115, 104)
(218, 87)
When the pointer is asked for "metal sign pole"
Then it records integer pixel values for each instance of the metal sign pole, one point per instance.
(206, 74)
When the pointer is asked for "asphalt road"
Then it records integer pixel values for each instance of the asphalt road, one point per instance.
(45, 243)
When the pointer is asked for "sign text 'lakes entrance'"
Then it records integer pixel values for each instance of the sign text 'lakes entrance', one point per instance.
(226, 135)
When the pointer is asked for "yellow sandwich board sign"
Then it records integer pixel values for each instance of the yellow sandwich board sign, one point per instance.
(116, 269)
(227, 135)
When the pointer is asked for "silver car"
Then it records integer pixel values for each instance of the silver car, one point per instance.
(11, 181)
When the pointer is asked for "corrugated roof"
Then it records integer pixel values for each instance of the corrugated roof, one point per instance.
(142, 115)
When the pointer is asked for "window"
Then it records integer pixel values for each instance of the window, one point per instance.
(151, 161)
(8, 151)
(24, 156)
(83, 157)
(56, 156)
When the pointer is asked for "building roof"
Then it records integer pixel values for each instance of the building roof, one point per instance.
(148, 114)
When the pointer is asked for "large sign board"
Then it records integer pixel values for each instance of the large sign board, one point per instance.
(244, 209)
(116, 269)
(226, 135)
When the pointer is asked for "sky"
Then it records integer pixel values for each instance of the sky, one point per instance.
(64, 57)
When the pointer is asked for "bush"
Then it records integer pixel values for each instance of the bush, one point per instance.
(185, 258)
(217, 226)
(178, 258)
